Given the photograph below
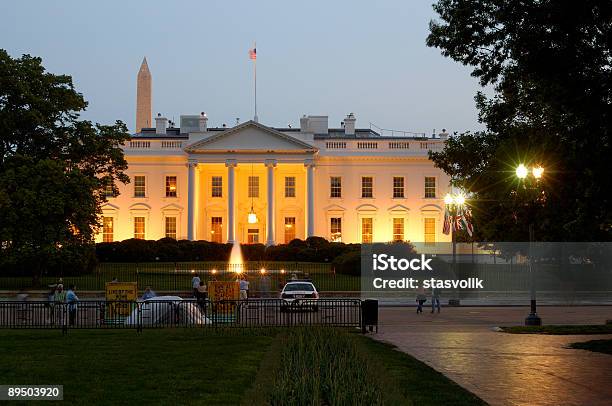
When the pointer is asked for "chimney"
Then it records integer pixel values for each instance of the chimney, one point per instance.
(304, 124)
(160, 124)
(203, 122)
(349, 124)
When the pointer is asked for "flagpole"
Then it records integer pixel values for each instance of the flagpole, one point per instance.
(256, 119)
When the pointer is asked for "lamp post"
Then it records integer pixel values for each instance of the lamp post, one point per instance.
(522, 172)
(453, 202)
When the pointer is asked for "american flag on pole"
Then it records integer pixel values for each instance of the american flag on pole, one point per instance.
(457, 220)
(467, 221)
(447, 221)
(253, 53)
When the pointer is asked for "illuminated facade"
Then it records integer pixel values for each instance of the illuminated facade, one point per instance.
(252, 183)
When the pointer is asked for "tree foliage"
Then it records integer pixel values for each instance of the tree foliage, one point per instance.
(54, 168)
(549, 64)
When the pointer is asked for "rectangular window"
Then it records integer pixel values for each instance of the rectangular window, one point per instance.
(108, 189)
(367, 186)
(139, 186)
(336, 229)
(430, 186)
(335, 183)
(139, 228)
(170, 186)
(107, 229)
(253, 235)
(430, 231)
(289, 186)
(253, 186)
(171, 227)
(217, 186)
(366, 230)
(289, 229)
(398, 229)
(216, 229)
(398, 187)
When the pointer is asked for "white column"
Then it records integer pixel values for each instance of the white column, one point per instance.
(231, 209)
(309, 164)
(270, 164)
(191, 201)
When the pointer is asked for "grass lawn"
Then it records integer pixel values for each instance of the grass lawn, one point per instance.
(604, 346)
(186, 366)
(169, 366)
(560, 329)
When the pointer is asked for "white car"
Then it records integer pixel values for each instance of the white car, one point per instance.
(298, 295)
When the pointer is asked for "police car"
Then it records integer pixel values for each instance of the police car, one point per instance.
(297, 295)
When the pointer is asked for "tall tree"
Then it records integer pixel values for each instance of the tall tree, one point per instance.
(54, 168)
(550, 65)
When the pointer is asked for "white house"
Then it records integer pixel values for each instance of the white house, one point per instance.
(252, 183)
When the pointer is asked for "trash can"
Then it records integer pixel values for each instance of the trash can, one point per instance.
(369, 315)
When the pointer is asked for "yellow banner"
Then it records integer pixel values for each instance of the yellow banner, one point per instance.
(120, 291)
(221, 290)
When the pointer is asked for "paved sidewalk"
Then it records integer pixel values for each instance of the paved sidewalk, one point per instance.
(501, 368)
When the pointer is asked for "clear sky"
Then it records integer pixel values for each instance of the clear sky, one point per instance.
(314, 57)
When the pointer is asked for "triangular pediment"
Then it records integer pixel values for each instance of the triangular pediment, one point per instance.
(251, 137)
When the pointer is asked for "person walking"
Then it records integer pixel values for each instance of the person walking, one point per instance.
(148, 294)
(435, 299)
(244, 288)
(72, 299)
(202, 295)
(420, 299)
(195, 284)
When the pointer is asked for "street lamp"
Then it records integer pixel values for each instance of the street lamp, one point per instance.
(522, 173)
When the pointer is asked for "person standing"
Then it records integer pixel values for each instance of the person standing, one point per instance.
(435, 299)
(72, 299)
(195, 284)
(244, 288)
(420, 299)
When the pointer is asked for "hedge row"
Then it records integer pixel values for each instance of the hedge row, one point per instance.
(313, 249)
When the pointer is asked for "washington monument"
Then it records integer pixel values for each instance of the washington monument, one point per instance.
(143, 97)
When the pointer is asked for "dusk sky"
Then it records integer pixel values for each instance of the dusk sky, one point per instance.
(315, 57)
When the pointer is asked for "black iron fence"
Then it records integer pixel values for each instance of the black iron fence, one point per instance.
(176, 276)
(249, 313)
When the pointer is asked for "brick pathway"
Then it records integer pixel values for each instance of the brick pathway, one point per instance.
(506, 369)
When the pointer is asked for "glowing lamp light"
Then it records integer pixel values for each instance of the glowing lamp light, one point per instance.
(282, 271)
(214, 271)
(192, 271)
(460, 199)
(521, 171)
(537, 171)
(252, 217)
(448, 199)
(262, 271)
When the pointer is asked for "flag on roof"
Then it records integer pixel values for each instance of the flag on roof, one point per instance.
(253, 53)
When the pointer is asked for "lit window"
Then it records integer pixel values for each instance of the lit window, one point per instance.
(366, 230)
(171, 227)
(289, 186)
(139, 186)
(335, 186)
(216, 229)
(107, 229)
(398, 187)
(253, 186)
(336, 229)
(108, 189)
(253, 235)
(430, 231)
(139, 228)
(217, 186)
(430, 186)
(398, 229)
(289, 229)
(170, 186)
(367, 186)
